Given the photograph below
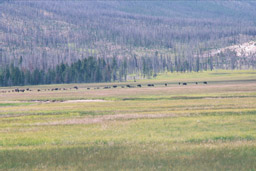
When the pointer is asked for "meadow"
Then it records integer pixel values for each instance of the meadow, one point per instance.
(175, 127)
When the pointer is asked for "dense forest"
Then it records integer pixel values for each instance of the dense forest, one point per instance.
(100, 41)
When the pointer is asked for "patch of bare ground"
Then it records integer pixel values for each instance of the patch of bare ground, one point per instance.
(101, 119)
(83, 101)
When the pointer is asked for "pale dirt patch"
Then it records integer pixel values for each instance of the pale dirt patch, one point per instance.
(82, 101)
(101, 119)
(246, 49)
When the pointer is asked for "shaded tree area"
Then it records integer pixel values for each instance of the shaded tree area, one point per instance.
(83, 71)
(93, 69)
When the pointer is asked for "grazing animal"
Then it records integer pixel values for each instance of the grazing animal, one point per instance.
(27, 89)
(196, 82)
(38, 90)
(139, 85)
(22, 90)
(150, 85)
(205, 82)
(179, 83)
(128, 86)
(114, 86)
(88, 88)
(165, 84)
(106, 87)
(184, 84)
(76, 87)
(16, 90)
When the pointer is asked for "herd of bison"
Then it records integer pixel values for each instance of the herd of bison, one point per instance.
(105, 87)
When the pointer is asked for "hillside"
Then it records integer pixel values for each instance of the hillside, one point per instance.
(38, 34)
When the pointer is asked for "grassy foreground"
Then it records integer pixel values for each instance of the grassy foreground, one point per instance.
(193, 127)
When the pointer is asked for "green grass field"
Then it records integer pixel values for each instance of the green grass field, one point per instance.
(193, 127)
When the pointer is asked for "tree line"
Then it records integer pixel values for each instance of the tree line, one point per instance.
(87, 70)
(93, 69)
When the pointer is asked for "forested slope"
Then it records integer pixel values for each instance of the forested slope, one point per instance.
(169, 35)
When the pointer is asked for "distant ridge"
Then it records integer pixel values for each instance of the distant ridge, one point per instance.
(47, 33)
